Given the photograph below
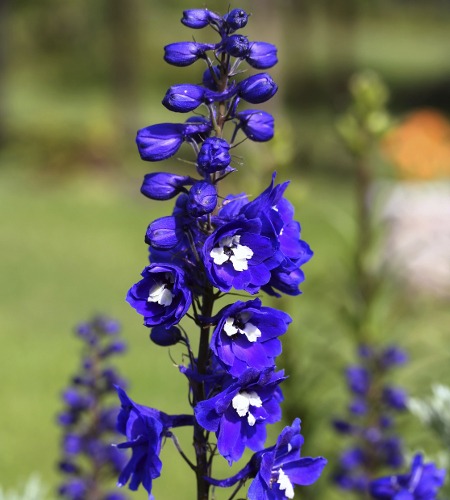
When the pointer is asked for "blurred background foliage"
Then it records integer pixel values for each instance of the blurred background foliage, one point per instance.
(77, 79)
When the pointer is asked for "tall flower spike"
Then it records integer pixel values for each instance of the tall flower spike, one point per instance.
(209, 245)
(88, 459)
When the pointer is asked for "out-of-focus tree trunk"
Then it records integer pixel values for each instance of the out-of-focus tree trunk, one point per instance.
(4, 17)
(123, 20)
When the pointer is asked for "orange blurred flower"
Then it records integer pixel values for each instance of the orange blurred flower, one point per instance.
(420, 146)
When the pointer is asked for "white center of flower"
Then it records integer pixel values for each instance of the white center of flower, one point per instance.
(285, 484)
(240, 325)
(159, 293)
(230, 250)
(242, 402)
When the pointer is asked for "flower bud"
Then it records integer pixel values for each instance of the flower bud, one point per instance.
(257, 88)
(202, 199)
(183, 98)
(164, 185)
(214, 155)
(165, 337)
(197, 128)
(195, 18)
(236, 19)
(163, 233)
(185, 53)
(256, 125)
(208, 80)
(262, 55)
(159, 142)
(237, 45)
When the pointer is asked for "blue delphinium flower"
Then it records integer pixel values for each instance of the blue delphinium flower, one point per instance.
(88, 457)
(208, 246)
(370, 424)
(422, 483)
(144, 428)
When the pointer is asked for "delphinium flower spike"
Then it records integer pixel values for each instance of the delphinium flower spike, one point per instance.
(375, 444)
(209, 246)
(88, 459)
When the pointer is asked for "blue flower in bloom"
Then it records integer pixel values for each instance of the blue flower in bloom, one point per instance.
(277, 469)
(144, 428)
(161, 296)
(358, 380)
(281, 467)
(239, 414)
(246, 336)
(237, 255)
(422, 483)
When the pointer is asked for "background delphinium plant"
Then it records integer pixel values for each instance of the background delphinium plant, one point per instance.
(211, 245)
(370, 423)
(89, 460)
(375, 445)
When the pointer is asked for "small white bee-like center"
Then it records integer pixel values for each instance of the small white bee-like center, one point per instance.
(230, 250)
(242, 402)
(285, 484)
(160, 294)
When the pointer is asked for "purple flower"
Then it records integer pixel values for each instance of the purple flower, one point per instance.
(392, 356)
(199, 18)
(282, 467)
(257, 88)
(214, 155)
(239, 414)
(202, 199)
(162, 296)
(185, 53)
(261, 55)
(164, 233)
(159, 142)
(395, 397)
(256, 125)
(358, 379)
(236, 19)
(184, 98)
(422, 483)
(237, 45)
(144, 429)
(74, 489)
(164, 185)
(246, 336)
(237, 255)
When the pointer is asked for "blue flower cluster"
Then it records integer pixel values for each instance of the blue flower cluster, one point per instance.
(370, 423)
(210, 245)
(89, 423)
(422, 483)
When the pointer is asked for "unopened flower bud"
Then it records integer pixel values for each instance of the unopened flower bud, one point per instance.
(236, 19)
(237, 45)
(208, 79)
(195, 18)
(262, 55)
(163, 233)
(183, 98)
(164, 185)
(256, 125)
(214, 155)
(202, 199)
(159, 142)
(185, 53)
(257, 88)
(165, 337)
